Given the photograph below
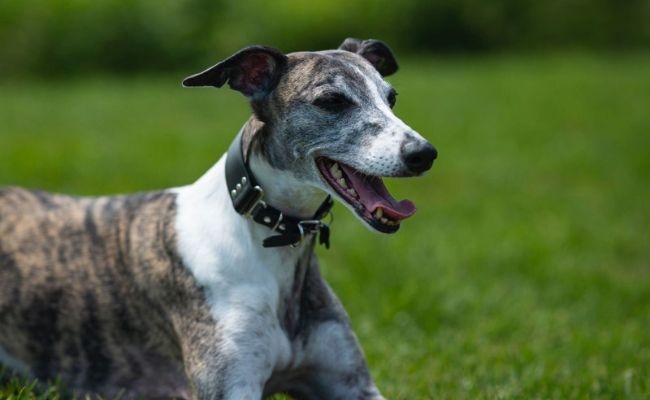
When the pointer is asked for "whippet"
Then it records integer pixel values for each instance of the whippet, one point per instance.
(212, 290)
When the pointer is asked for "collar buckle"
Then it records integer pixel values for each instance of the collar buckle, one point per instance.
(251, 206)
(308, 227)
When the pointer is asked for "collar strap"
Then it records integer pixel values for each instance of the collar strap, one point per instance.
(248, 200)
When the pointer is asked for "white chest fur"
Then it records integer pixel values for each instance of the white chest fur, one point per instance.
(244, 281)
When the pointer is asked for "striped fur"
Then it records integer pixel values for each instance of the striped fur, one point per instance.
(72, 305)
(170, 294)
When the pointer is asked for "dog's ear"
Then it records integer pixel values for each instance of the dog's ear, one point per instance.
(253, 71)
(375, 51)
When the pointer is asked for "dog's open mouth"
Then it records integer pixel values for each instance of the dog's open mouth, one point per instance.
(367, 194)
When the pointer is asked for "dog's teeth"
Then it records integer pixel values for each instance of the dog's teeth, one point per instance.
(353, 192)
(342, 182)
(379, 213)
(383, 220)
(336, 171)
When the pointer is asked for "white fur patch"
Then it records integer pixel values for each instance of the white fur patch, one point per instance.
(245, 282)
(288, 193)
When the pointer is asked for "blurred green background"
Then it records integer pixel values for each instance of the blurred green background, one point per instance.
(525, 273)
(54, 37)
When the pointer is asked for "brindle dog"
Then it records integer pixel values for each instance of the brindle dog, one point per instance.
(176, 293)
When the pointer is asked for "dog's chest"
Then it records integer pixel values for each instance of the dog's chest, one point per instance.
(243, 282)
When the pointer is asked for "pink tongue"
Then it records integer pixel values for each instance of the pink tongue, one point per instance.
(373, 194)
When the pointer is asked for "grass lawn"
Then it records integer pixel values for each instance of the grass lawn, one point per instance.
(525, 273)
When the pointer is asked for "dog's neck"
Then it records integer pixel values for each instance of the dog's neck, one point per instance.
(282, 189)
(214, 240)
(208, 200)
(207, 224)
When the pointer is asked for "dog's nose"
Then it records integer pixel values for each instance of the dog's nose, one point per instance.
(418, 156)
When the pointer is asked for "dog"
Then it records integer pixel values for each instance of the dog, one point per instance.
(212, 290)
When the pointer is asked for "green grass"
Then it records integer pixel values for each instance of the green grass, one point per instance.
(525, 273)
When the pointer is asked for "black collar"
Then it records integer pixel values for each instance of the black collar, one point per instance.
(248, 200)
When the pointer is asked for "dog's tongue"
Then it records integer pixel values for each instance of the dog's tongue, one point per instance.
(373, 194)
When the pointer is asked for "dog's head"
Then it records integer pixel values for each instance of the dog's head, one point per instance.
(327, 119)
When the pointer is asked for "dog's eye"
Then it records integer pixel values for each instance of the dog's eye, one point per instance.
(333, 102)
(392, 98)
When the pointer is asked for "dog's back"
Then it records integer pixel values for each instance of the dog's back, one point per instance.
(63, 285)
(217, 279)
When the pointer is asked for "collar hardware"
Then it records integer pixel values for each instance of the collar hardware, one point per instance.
(248, 200)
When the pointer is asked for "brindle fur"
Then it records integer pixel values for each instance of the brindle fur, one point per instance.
(99, 324)
(71, 305)
(122, 295)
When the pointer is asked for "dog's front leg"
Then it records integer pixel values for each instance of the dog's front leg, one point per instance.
(230, 355)
(331, 353)
(340, 370)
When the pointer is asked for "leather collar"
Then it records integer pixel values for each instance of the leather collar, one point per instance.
(247, 198)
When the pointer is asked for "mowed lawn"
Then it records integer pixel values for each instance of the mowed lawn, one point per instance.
(525, 273)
